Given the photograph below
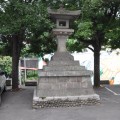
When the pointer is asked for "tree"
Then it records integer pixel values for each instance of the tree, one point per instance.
(99, 26)
(18, 18)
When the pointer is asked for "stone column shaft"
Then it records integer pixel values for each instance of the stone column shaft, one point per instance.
(61, 39)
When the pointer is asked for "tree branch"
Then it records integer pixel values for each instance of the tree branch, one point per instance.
(86, 41)
(91, 48)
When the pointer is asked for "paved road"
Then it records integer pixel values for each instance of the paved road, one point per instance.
(18, 106)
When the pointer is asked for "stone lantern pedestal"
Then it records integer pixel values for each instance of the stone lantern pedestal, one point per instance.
(63, 82)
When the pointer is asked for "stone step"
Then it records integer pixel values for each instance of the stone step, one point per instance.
(65, 73)
(63, 68)
(70, 98)
(65, 101)
(66, 92)
(62, 56)
(63, 63)
(64, 86)
(64, 79)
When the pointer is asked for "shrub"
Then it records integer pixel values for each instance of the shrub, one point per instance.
(6, 64)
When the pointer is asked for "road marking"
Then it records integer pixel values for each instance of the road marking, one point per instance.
(111, 91)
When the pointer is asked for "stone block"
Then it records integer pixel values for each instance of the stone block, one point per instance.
(63, 68)
(47, 79)
(63, 63)
(65, 73)
(45, 86)
(62, 56)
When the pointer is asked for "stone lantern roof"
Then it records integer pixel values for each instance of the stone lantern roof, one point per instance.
(63, 13)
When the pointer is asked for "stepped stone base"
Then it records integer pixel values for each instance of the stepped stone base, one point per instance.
(64, 83)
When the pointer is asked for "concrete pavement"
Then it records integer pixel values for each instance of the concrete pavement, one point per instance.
(18, 106)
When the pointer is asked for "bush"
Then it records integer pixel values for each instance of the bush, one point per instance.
(32, 75)
(6, 64)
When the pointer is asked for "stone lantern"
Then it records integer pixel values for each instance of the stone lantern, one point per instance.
(62, 20)
(63, 82)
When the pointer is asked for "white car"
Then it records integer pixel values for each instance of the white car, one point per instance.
(2, 83)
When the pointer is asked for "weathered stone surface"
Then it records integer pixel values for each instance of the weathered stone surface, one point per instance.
(61, 82)
(61, 13)
(64, 101)
(63, 68)
(62, 88)
(63, 32)
(63, 92)
(65, 73)
(62, 56)
(63, 63)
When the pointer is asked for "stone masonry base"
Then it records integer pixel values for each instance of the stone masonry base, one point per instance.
(65, 101)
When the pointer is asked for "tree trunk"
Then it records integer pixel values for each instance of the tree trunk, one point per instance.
(15, 61)
(17, 45)
(96, 67)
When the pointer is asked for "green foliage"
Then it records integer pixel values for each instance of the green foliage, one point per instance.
(41, 41)
(112, 34)
(5, 46)
(84, 29)
(32, 75)
(30, 17)
(74, 45)
(16, 14)
(99, 22)
(6, 64)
